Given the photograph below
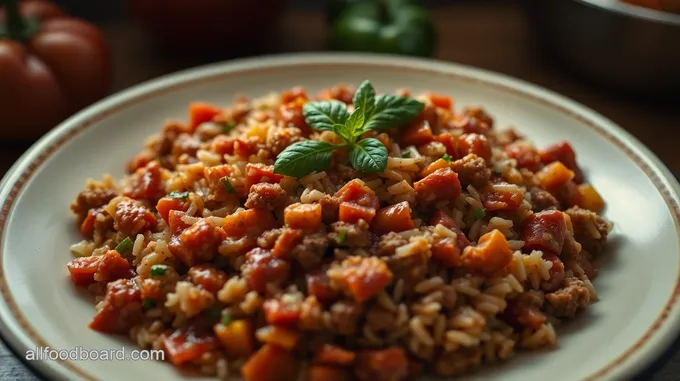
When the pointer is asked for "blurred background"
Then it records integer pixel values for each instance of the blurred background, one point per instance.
(620, 58)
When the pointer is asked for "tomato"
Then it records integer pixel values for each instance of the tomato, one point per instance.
(50, 71)
(207, 25)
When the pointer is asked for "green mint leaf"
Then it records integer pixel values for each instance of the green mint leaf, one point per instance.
(355, 122)
(323, 115)
(369, 155)
(303, 158)
(364, 99)
(392, 111)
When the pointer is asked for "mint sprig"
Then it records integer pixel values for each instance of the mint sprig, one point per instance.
(371, 112)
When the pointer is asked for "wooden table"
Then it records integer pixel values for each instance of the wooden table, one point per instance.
(488, 34)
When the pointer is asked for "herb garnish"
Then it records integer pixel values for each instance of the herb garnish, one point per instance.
(478, 214)
(227, 184)
(124, 245)
(447, 158)
(227, 127)
(342, 237)
(176, 194)
(226, 319)
(158, 271)
(372, 112)
(406, 154)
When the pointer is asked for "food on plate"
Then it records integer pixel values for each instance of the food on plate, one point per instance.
(347, 235)
(392, 26)
(51, 65)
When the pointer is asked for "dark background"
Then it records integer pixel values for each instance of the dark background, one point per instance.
(490, 34)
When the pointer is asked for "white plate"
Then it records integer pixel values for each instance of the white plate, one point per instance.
(635, 320)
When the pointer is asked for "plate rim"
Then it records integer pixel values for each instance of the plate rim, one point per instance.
(19, 335)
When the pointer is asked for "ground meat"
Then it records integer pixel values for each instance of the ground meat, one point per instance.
(261, 269)
(411, 266)
(282, 138)
(185, 144)
(389, 243)
(131, 217)
(380, 319)
(542, 200)
(343, 174)
(345, 316)
(571, 248)
(329, 208)
(471, 169)
(351, 235)
(266, 196)
(533, 298)
(311, 318)
(91, 199)
(590, 230)
(268, 238)
(310, 252)
(567, 301)
(208, 277)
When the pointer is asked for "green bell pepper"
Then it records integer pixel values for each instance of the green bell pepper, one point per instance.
(381, 26)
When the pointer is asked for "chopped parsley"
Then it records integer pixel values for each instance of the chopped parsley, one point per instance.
(227, 127)
(148, 304)
(158, 271)
(406, 154)
(176, 194)
(227, 185)
(478, 214)
(226, 319)
(342, 236)
(447, 157)
(124, 245)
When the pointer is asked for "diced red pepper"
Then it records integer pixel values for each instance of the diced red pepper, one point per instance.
(418, 134)
(545, 230)
(175, 222)
(442, 184)
(276, 312)
(186, 345)
(446, 252)
(474, 143)
(303, 216)
(333, 355)
(394, 218)
(200, 113)
(361, 277)
(112, 267)
(197, 242)
(82, 270)
(271, 363)
(449, 142)
(146, 182)
(497, 198)
(351, 213)
(491, 254)
(166, 204)
(261, 173)
(564, 153)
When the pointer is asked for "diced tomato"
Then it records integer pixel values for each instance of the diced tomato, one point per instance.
(381, 365)
(328, 373)
(197, 242)
(332, 355)
(262, 268)
(140, 160)
(352, 213)
(394, 218)
(293, 94)
(545, 230)
(564, 153)
(200, 112)
(175, 222)
(474, 143)
(303, 216)
(261, 173)
(449, 142)
(288, 239)
(87, 226)
(166, 204)
(417, 134)
(82, 270)
(442, 218)
(442, 184)
(250, 222)
(556, 270)
(469, 125)
(112, 267)
(441, 101)
(319, 286)
(361, 277)
(502, 197)
(285, 338)
(525, 154)
(446, 252)
(291, 115)
(491, 254)
(271, 363)
(146, 182)
(357, 192)
(185, 345)
(437, 164)
(237, 338)
(208, 277)
(276, 312)
(520, 315)
(121, 308)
